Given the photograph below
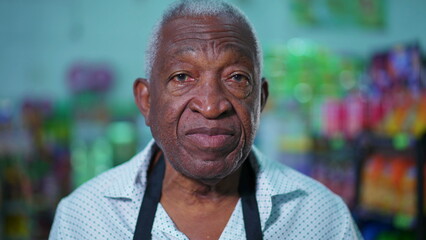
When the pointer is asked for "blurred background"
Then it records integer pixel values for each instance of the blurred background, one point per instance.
(347, 101)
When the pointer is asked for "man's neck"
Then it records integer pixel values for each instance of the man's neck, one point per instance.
(190, 191)
(199, 210)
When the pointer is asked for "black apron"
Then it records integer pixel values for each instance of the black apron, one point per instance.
(151, 198)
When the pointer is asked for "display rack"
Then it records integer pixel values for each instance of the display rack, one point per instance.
(369, 143)
(420, 161)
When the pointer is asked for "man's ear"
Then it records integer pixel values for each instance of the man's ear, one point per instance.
(264, 88)
(142, 97)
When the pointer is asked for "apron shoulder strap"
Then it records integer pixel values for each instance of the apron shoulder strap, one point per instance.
(152, 196)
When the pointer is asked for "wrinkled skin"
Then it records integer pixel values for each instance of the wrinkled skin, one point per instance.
(205, 96)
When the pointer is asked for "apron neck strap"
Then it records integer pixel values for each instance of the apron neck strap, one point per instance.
(152, 196)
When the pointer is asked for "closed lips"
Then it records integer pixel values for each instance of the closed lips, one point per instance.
(210, 137)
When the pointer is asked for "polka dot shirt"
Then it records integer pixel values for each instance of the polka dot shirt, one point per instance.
(291, 206)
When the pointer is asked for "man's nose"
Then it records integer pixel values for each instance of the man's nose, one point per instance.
(211, 100)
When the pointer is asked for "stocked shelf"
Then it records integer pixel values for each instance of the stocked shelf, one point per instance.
(358, 130)
(390, 184)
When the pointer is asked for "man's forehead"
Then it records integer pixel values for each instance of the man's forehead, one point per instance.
(205, 28)
(188, 34)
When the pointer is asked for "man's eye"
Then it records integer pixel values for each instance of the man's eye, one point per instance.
(240, 78)
(182, 77)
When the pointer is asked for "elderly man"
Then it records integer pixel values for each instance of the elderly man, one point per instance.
(201, 178)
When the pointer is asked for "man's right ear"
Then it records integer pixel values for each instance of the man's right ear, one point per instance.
(142, 97)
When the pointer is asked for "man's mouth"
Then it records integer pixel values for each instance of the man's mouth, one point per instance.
(210, 138)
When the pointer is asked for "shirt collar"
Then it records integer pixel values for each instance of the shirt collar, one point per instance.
(126, 185)
(275, 185)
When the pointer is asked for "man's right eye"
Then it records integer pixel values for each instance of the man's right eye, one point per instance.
(182, 77)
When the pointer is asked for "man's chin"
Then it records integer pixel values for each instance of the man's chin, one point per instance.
(208, 172)
(210, 166)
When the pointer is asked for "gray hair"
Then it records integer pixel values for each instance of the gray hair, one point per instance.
(198, 8)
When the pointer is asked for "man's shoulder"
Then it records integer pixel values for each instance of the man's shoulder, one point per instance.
(105, 200)
(102, 181)
(282, 181)
(94, 190)
(295, 199)
(115, 182)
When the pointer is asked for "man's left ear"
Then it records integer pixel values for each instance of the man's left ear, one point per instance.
(264, 88)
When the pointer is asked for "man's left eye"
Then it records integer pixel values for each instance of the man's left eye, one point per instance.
(240, 78)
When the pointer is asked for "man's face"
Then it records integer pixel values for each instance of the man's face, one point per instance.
(205, 96)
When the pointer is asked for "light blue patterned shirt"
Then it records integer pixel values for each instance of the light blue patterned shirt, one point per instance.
(291, 206)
